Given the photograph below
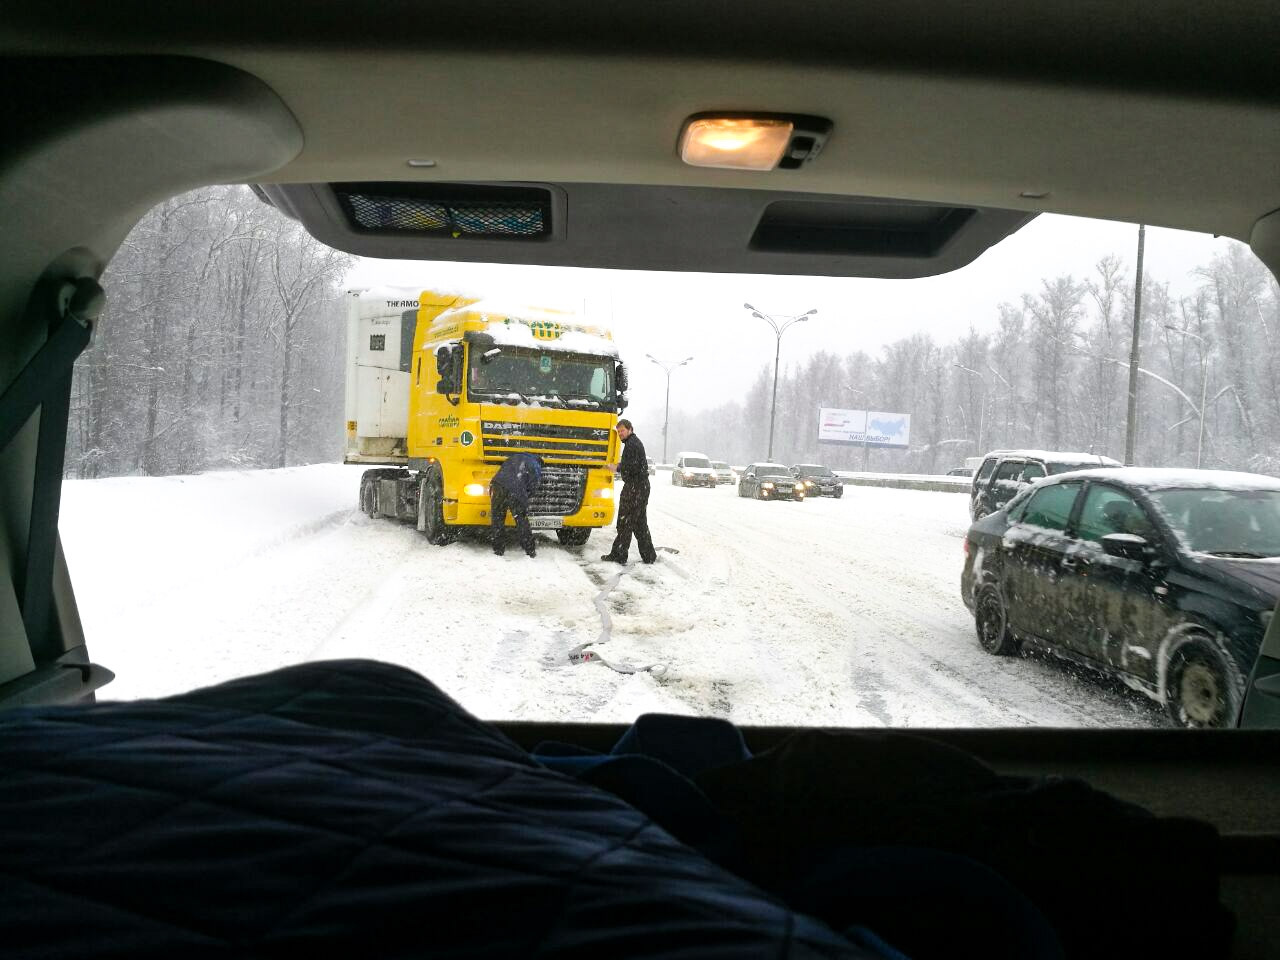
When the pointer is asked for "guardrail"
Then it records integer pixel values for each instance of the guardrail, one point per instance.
(906, 481)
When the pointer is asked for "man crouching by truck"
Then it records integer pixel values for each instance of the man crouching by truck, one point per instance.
(512, 487)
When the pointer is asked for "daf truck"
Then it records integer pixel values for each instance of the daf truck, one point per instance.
(441, 388)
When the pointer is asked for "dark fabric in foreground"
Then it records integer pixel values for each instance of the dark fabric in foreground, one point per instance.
(342, 808)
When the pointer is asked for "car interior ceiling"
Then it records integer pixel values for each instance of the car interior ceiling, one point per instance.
(998, 109)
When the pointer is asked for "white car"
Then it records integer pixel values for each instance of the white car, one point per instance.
(724, 473)
(692, 470)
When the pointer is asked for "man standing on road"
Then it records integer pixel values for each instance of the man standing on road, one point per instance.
(633, 505)
(512, 487)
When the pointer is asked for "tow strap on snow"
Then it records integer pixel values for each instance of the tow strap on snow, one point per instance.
(580, 653)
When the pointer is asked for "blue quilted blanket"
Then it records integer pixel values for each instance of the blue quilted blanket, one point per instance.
(342, 808)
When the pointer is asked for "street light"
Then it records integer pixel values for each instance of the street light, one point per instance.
(667, 368)
(780, 326)
(982, 410)
(1204, 384)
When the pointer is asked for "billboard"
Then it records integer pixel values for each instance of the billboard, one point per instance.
(872, 428)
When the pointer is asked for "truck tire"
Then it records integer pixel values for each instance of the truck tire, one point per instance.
(431, 510)
(573, 536)
(369, 481)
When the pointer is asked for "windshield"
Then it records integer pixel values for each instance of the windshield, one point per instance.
(255, 433)
(549, 379)
(1226, 523)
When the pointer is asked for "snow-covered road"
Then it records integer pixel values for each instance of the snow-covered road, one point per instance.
(831, 612)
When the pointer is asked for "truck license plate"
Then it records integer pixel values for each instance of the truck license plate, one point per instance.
(546, 523)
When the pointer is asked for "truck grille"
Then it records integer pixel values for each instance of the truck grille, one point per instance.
(560, 492)
(503, 438)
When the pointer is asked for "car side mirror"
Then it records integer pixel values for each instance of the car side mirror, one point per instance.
(1127, 546)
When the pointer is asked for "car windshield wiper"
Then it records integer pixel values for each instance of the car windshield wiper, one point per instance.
(1239, 554)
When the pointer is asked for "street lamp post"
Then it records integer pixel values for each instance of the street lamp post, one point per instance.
(666, 418)
(780, 326)
(1204, 384)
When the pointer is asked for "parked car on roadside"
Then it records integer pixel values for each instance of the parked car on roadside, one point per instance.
(692, 470)
(770, 481)
(818, 480)
(1164, 578)
(1004, 472)
(723, 472)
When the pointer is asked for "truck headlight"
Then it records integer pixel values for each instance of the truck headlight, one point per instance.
(605, 493)
(474, 489)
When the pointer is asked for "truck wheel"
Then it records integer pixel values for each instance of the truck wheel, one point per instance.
(369, 481)
(573, 536)
(431, 511)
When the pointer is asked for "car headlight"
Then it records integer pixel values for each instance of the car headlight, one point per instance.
(605, 493)
(474, 489)
(810, 483)
(767, 485)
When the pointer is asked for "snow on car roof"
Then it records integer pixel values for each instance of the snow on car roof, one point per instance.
(1056, 456)
(1181, 477)
(691, 453)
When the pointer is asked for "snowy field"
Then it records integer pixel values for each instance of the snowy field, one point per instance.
(831, 612)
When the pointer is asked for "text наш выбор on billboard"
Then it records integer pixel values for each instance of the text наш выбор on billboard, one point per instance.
(873, 428)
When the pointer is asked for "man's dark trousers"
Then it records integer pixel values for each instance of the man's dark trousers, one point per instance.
(633, 518)
(502, 501)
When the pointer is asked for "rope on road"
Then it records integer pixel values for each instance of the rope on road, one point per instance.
(580, 653)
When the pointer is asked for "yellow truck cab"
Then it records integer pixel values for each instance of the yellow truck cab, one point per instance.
(442, 388)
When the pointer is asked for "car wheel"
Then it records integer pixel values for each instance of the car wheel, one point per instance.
(431, 511)
(573, 536)
(839, 493)
(1203, 687)
(992, 623)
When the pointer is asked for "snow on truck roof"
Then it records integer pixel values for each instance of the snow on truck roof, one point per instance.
(521, 325)
(1162, 478)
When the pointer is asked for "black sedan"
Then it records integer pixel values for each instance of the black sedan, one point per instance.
(1164, 578)
(818, 480)
(770, 481)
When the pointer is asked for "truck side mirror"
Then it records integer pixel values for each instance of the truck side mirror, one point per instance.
(620, 378)
(622, 401)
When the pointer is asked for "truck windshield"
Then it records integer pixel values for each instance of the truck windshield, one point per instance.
(551, 379)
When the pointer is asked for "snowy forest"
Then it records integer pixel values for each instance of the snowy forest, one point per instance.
(223, 346)
(1052, 375)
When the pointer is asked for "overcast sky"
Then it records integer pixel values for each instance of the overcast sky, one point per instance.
(675, 315)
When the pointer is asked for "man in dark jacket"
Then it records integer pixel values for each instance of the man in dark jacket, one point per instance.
(633, 505)
(513, 486)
